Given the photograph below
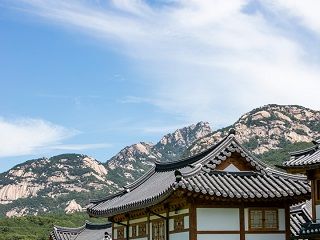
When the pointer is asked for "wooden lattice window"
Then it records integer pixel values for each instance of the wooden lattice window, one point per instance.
(255, 219)
(120, 233)
(263, 219)
(158, 230)
(142, 229)
(178, 223)
(134, 230)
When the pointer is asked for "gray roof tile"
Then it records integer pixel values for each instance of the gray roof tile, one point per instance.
(308, 157)
(89, 230)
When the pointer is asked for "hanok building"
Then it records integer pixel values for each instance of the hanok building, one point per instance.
(308, 162)
(89, 231)
(223, 193)
(300, 215)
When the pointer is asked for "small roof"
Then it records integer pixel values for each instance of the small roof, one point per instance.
(92, 231)
(203, 173)
(308, 158)
(300, 214)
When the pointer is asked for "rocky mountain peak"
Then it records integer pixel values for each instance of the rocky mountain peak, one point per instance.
(52, 177)
(268, 128)
(173, 144)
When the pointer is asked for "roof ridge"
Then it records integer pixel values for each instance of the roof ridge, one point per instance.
(256, 159)
(303, 151)
(287, 175)
(60, 228)
(167, 166)
(91, 225)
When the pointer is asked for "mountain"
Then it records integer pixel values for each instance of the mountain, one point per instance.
(67, 182)
(52, 177)
(132, 161)
(268, 128)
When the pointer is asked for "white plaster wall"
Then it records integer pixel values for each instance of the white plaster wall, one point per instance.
(218, 219)
(138, 220)
(115, 233)
(186, 222)
(180, 211)
(179, 236)
(270, 236)
(153, 217)
(150, 230)
(282, 219)
(171, 224)
(318, 213)
(218, 236)
(246, 217)
(130, 231)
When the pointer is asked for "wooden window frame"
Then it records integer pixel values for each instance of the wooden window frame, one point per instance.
(264, 228)
(178, 223)
(134, 232)
(142, 226)
(121, 233)
(156, 228)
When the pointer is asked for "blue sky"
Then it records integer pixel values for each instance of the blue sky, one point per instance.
(94, 76)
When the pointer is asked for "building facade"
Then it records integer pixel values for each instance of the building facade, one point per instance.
(223, 193)
(307, 162)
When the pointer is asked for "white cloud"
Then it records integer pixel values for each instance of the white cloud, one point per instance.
(206, 60)
(305, 12)
(27, 136)
(33, 136)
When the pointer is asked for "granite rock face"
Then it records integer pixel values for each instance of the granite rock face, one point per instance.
(268, 128)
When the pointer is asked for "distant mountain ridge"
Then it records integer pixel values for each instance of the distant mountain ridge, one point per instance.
(268, 128)
(66, 182)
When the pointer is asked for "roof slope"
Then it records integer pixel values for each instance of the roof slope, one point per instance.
(89, 230)
(300, 214)
(199, 174)
(309, 157)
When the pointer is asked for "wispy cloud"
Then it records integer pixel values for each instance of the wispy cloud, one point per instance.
(80, 147)
(134, 99)
(27, 136)
(206, 60)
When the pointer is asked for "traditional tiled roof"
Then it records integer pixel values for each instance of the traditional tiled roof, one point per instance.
(200, 174)
(308, 158)
(89, 230)
(300, 214)
(308, 230)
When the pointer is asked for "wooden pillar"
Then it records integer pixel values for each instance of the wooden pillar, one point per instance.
(287, 224)
(148, 227)
(167, 224)
(192, 221)
(242, 223)
(127, 230)
(112, 229)
(313, 198)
